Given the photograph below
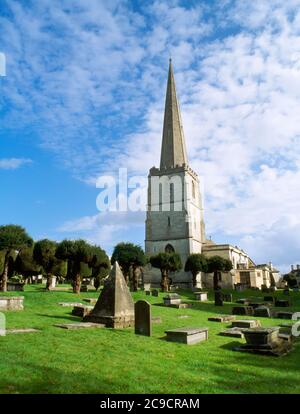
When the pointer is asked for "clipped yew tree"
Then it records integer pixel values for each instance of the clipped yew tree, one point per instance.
(44, 254)
(217, 265)
(166, 262)
(25, 264)
(196, 262)
(12, 238)
(131, 258)
(76, 252)
(100, 265)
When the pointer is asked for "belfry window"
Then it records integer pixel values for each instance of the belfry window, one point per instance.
(169, 221)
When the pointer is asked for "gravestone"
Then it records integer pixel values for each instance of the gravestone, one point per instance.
(181, 305)
(262, 311)
(155, 293)
(222, 318)
(284, 315)
(79, 325)
(15, 287)
(265, 341)
(243, 310)
(218, 298)
(115, 307)
(269, 299)
(233, 332)
(227, 297)
(188, 336)
(82, 310)
(84, 288)
(142, 318)
(147, 286)
(148, 293)
(295, 289)
(245, 323)
(52, 282)
(13, 303)
(201, 296)
(243, 301)
(92, 301)
(172, 299)
(281, 303)
(71, 304)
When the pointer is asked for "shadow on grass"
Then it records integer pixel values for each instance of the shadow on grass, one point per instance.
(71, 318)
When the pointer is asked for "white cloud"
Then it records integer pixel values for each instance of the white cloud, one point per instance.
(13, 163)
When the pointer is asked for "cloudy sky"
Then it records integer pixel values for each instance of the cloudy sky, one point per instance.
(84, 93)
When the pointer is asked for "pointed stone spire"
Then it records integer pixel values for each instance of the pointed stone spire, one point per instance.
(173, 150)
(115, 307)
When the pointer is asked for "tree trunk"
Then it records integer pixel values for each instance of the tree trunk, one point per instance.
(4, 278)
(164, 281)
(49, 281)
(216, 280)
(135, 278)
(77, 283)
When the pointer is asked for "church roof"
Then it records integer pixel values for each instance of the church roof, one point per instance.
(173, 149)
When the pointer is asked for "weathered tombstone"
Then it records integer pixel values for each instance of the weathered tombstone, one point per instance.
(172, 299)
(82, 310)
(15, 287)
(245, 323)
(243, 310)
(11, 303)
(280, 303)
(218, 298)
(222, 318)
(115, 307)
(155, 292)
(142, 318)
(244, 301)
(53, 282)
(227, 297)
(269, 299)
(148, 293)
(284, 315)
(233, 332)
(147, 286)
(201, 296)
(265, 341)
(188, 336)
(84, 288)
(262, 311)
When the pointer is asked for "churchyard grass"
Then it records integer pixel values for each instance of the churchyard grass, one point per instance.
(118, 361)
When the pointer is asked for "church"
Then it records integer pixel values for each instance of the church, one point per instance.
(175, 221)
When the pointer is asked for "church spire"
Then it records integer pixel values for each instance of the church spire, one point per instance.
(173, 150)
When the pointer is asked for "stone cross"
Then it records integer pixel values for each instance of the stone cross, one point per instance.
(142, 312)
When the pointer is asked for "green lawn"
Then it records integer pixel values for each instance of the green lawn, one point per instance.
(117, 361)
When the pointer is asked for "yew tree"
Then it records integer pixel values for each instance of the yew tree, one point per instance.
(196, 262)
(216, 265)
(131, 258)
(166, 262)
(76, 252)
(44, 254)
(12, 238)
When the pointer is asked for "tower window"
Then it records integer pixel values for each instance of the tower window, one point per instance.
(169, 221)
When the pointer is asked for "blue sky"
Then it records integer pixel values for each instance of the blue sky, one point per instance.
(84, 95)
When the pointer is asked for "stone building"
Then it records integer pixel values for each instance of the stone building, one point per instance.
(174, 219)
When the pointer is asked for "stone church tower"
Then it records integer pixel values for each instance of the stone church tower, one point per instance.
(174, 210)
